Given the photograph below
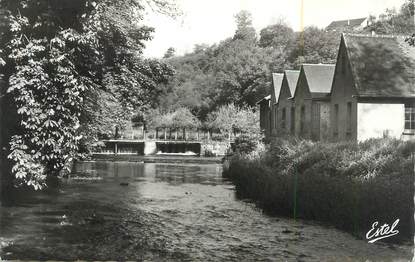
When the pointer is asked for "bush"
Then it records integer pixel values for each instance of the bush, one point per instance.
(245, 144)
(347, 185)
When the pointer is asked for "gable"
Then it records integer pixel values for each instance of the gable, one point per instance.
(319, 78)
(302, 90)
(343, 76)
(292, 79)
(285, 91)
(381, 66)
(276, 87)
(289, 84)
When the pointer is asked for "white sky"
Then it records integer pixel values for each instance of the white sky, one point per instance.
(210, 21)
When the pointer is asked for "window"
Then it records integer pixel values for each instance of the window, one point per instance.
(292, 120)
(302, 119)
(315, 121)
(283, 118)
(410, 118)
(349, 120)
(336, 121)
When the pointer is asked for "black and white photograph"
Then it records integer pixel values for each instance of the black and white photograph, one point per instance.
(207, 130)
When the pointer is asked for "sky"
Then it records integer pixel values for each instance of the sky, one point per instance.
(210, 21)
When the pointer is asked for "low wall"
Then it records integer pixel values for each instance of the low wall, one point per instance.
(178, 147)
(148, 148)
(214, 148)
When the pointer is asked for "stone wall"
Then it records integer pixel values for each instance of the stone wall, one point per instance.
(214, 148)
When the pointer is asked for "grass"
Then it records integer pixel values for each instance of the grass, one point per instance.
(347, 185)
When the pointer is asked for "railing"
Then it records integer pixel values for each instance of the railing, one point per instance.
(174, 135)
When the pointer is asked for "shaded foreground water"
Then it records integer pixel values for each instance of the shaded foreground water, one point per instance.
(134, 211)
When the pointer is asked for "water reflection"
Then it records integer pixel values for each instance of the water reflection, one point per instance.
(161, 212)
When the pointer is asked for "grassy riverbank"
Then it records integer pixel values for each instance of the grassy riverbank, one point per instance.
(346, 185)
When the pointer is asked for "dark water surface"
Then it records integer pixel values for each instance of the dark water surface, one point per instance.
(159, 212)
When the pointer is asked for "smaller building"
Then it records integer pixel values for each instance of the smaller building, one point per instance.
(286, 109)
(373, 92)
(312, 101)
(265, 115)
(348, 25)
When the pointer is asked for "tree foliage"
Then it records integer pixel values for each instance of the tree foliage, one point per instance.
(69, 64)
(230, 119)
(394, 21)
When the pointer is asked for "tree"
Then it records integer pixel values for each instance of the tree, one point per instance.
(394, 21)
(315, 46)
(169, 53)
(58, 59)
(230, 119)
(279, 36)
(244, 27)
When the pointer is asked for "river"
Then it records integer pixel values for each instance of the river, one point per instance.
(159, 212)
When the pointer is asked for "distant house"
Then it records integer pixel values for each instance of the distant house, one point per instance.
(373, 91)
(275, 93)
(286, 110)
(348, 25)
(312, 101)
(265, 115)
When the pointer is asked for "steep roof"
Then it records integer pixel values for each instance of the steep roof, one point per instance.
(346, 23)
(382, 66)
(319, 78)
(292, 79)
(276, 85)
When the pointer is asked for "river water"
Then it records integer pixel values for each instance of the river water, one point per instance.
(164, 212)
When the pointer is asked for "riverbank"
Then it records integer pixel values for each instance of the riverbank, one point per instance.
(173, 159)
(345, 185)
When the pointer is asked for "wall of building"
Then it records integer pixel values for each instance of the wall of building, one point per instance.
(321, 125)
(284, 102)
(379, 120)
(303, 99)
(274, 119)
(265, 117)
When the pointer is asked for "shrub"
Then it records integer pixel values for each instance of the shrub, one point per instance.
(347, 185)
(245, 144)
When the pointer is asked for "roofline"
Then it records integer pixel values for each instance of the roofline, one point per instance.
(384, 96)
(353, 73)
(319, 64)
(376, 35)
